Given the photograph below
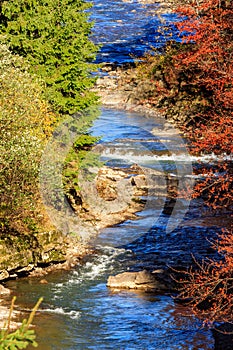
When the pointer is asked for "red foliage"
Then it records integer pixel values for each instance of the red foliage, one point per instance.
(209, 24)
(216, 189)
(211, 285)
(210, 28)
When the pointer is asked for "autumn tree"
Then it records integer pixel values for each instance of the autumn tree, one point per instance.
(191, 82)
(208, 286)
(206, 65)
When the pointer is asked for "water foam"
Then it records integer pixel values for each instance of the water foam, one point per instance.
(180, 157)
(73, 314)
(100, 265)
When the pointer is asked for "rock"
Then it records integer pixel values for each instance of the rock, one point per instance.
(4, 274)
(110, 198)
(27, 268)
(139, 181)
(106, 189)
(44, 281)
(4, 291)
(20, 254)
(142, 280)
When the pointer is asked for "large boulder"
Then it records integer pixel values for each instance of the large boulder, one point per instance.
(142, 280)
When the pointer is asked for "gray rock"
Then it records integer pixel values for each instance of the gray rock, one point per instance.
(142, 280)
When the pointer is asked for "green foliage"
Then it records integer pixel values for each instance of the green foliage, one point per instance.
(53, 36)
(80, 158)
(21, 337)
(25, 123)
(85, 141)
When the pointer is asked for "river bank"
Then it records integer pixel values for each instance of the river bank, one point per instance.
(21, 255)
(125, 87)
(79, 310)
(78, 299)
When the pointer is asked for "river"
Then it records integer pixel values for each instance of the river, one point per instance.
(79, 311)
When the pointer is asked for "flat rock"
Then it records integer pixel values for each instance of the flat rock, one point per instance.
(142, 280)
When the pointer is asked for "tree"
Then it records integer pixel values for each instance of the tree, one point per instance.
(53, 36)
(209, 287)
(209, 25)
(209, 38)
(193, 85)
(26, 122)
(209, 56)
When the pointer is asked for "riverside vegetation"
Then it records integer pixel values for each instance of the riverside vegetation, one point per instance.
(45, 76)
(46, 70)
(191, 81)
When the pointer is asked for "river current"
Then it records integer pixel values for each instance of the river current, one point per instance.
(79, 311)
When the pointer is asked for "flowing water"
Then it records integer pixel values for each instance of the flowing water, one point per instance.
(127, 29)
(79, 311)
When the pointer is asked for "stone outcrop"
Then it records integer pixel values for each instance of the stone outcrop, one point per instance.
(115, 194)
(123, 88)
(110, 198)
(143, 280)
(21, 254)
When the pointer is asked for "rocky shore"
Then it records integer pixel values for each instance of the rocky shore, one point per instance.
(120, 88)
(123, 88)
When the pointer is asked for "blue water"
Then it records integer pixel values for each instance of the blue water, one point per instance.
(126, 30)
(79, 311)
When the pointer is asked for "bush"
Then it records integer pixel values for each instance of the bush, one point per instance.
(26, 121)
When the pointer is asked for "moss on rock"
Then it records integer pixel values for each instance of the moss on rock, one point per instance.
(19, 254)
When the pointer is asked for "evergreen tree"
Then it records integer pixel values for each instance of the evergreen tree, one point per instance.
(53, 35)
